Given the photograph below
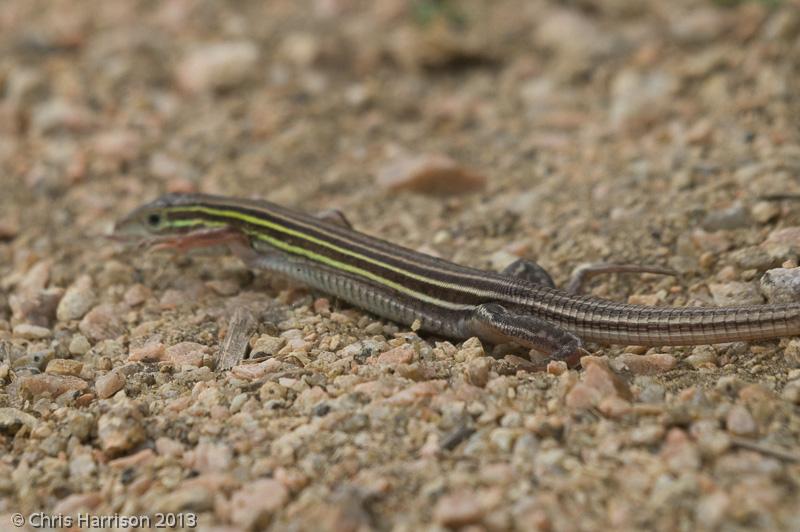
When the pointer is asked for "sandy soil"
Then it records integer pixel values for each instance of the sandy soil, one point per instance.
(626, 131)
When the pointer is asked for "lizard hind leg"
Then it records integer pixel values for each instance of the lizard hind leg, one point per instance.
(584, 272)
(534, 273)
(494, 323)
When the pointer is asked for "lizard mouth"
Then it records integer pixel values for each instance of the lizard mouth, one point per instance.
(201, 238)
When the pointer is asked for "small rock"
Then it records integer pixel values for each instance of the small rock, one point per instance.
(702, 25)
(614, 407)
(103, 322)
(740, 422)
(478, 371)
(55, 385)
(714, 242)
(598, 382)
(792, 352)
(556, 367)
(702, 356)
(781, 285)
(791, 392)
(267, 345)
(117, 145)
(79, 345)
(109, 384)
(430, 174)
(652, 364)
(639, 97)
(121, 429)
(712, 510)
(779, 240)
(186, 354)
(152, 352)
(8, 230)
(55, 114)
(169, 447)
(679, 453)
(64, 366)
(31, 332)
(223, 287)
(735, 293)
(253, 505)
(403, 354)
(13, 419)
(209, 457)
(217, 66)
(571, 34)
(79, 502)
(300, 48)
(733, 217)
(136, 295)
(753, 258)
(458, 509)
(38, 309)
(765, 211)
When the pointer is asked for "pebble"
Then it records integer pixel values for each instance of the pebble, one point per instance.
(651, 364)
(217, 66)
(78, 502)
(478, 371)
(109, 384)
(79, 345)
(152, 352)
(136, 295)
(781, 285)
(791, 392)
(597, 382)
(434, 174)
(103, 322)
(734, 217)
(300, 48)
(121, 429)
(782, 240)
(169, 447)
(186, 354)
(679, 453)
(753, 258)
(13, 419)
(572, 35)
(458, 509)
(252, 506)
(209, 457)
(64, 366)
(556, 367)
(640, 96)
(57, 115)
(31, 332)
(702, 356)
(267, 345)
(49, 383)
(792, 352)
(740, 422)
(117, 145)
(712, 509)
(38, 309)
(403, 354)
(735, 293)
(765, 211)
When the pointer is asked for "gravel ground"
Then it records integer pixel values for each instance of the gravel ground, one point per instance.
(649, 132)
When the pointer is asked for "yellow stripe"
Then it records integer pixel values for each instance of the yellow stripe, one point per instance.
(277, 227)
(332, 263)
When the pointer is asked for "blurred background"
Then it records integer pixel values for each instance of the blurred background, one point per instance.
(425, 120)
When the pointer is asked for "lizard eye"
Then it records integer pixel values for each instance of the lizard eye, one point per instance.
(154, 220)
